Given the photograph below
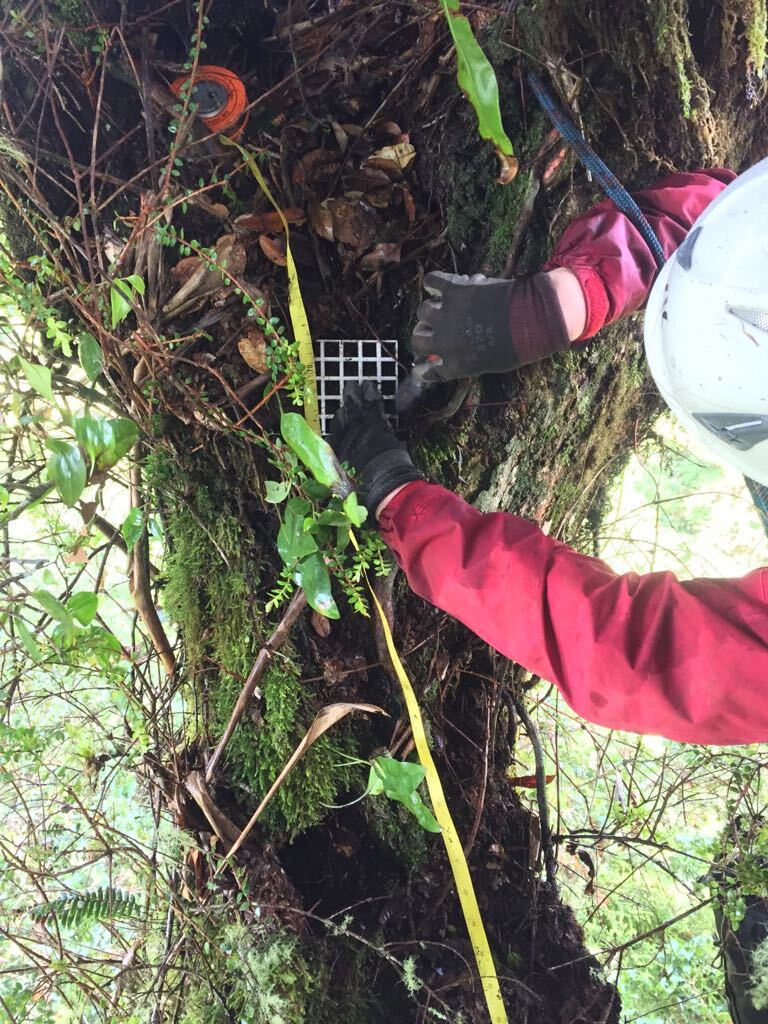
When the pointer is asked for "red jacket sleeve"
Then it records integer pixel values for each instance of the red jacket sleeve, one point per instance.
(612, 261)
(650, 654)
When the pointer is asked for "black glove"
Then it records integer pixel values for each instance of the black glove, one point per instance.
(361, 436)
(475, 325)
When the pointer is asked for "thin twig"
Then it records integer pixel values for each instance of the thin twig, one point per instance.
(263, 658)
(550, 863)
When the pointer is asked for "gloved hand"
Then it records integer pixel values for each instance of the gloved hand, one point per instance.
(475, 325)
(361, 436)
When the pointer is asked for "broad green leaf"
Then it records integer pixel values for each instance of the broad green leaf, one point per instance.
(132, 528)
(277, 491)
(316, 454)
(89, 354)
(356, 512)
(66, 469)
(476, 78)
(120, 293)
(83, 606)
(124, 436)
(399, 781)
(28, 641)
(54, 608)
(95, 435)
(312, 576)
(315, 490)
(38, 377)
(293, 542)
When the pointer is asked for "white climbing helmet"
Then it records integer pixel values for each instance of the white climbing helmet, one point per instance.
(706, 326)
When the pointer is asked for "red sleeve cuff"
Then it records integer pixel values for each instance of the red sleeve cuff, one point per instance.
(595, 299)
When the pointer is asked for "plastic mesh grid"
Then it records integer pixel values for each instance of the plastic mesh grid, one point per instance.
(339, 361)
(757, 317)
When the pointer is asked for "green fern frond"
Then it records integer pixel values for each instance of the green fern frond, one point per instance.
(105, 903)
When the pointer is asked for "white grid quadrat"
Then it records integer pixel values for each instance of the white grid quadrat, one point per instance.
(338, 361)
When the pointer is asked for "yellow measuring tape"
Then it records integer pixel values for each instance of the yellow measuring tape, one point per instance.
(296, 308)
(453, 847)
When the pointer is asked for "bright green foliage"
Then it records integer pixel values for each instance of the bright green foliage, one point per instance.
(399, 780)
(121, 295)
(316, 454)
(264, 978)
(66, 470)
(38, 378)
(89, 354)
(477, 78)
(88, 907)
(133, 527)
(215, 604)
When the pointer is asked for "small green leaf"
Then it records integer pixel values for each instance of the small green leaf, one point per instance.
(312, 576)
(277, 491)
(53, 607)
(316, 454)
(83, 606)
(399, 781)
(89, 354)
(66, 469)
(120, 293)
(356, 512)
(4, 496)
(132, 528)
(38, 377)
(28, 641)
(293, 542)
(95, 435)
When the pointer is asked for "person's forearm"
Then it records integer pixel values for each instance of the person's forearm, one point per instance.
(688, 660)
(609, 257)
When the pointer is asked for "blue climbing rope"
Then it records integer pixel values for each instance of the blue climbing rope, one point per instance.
(605, 176)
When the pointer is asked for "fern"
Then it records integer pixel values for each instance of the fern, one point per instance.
(101, 904)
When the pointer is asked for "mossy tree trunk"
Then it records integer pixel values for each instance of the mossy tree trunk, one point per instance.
(659, 86)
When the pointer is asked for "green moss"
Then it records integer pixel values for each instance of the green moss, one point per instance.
(757, 37)
(211, 581)
(258, 750)
(398, 830)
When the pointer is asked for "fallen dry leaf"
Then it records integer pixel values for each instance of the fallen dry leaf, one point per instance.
(381, 255)
(320, 624)
(77, 557)
(269, 220)
(321, 219)
(508, 167)
(401, 154)
(208, 278)
(354, 222)
(184, 269)
(316, 165)
(274, 249)
(328, 716)
(253, 348)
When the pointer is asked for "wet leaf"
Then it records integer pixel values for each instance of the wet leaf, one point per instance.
(274, 250)
(270, 221)
(83, 606)
(95, 436)
(329, 716)
(316, 454)
(90, 356)
(125, 433)
(293, 542)
(66, 469)
(312, 576)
